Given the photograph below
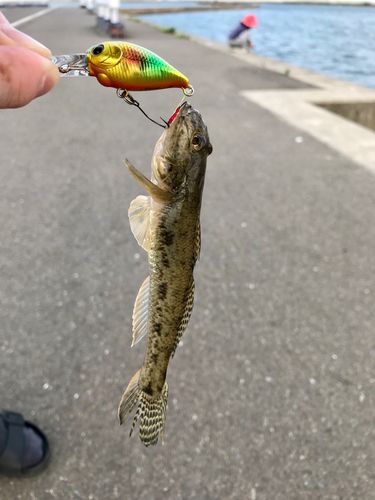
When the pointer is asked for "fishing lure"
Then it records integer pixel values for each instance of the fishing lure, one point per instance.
(125, 67)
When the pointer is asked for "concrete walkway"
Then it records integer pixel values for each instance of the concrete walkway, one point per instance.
(272, 392)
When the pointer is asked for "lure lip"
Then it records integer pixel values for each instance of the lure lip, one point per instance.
(72, 65)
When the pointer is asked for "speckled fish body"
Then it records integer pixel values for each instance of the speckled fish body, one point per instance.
(166, 224)
(128, 66)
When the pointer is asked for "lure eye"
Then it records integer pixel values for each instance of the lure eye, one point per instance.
(198, 141)
(98, 50)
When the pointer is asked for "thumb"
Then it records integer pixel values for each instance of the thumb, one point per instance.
(24, 75)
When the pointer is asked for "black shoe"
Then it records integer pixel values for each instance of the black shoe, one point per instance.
(13, 462)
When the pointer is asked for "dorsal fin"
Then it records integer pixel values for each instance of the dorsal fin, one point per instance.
(197, 242)
(186, 316)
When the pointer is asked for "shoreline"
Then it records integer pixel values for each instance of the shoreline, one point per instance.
(334, 111)
(139, 11)
(201, 25)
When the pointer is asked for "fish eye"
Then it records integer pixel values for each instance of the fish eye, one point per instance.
(98, 50)
(198, 141)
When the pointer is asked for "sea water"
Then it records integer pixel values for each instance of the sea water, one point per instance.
(332, 39)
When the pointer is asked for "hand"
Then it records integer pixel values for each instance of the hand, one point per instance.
(25, 71)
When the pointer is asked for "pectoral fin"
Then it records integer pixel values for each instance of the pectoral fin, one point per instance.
(139, 217)
(157, 194)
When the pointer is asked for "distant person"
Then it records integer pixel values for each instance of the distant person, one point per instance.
(240, 36)
(25, 73)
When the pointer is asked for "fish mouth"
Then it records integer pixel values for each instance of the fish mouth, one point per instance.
(185, 109)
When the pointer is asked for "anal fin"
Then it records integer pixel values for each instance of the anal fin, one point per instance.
(140, 312)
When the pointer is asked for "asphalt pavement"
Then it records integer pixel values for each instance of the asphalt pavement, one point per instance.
(271, 394)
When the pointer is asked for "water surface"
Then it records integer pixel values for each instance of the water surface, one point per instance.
(331, 39)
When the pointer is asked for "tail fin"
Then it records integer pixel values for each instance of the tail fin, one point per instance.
(152, 411)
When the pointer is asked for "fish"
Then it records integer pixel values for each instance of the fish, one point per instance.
(167, 225)
(123, 65)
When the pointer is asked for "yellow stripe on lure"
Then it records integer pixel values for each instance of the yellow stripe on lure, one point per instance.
(124, 65)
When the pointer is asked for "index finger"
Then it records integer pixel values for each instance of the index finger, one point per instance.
(11, 36)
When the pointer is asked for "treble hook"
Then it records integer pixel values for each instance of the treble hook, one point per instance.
(129, 99)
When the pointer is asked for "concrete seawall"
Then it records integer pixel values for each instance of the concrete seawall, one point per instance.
(362, 113)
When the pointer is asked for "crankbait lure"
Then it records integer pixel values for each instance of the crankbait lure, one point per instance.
(124, 66)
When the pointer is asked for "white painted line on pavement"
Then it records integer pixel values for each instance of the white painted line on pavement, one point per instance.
(33, 16)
